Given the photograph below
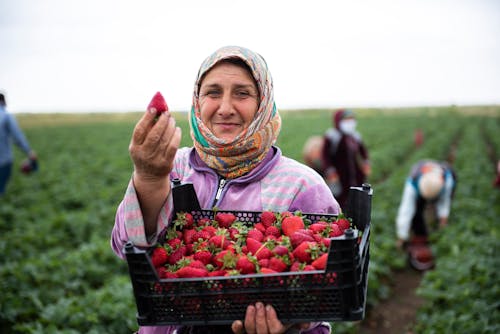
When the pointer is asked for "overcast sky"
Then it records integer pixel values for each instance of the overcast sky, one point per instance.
(113, 55)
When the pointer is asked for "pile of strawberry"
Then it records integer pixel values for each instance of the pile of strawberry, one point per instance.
(224, 246)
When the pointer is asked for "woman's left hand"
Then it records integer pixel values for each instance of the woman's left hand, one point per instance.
(260, 319)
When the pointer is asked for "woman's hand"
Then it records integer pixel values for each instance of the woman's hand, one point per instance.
(152, 149)
(260, 319)
(153, 146)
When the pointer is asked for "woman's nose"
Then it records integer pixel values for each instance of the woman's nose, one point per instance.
(226, 105)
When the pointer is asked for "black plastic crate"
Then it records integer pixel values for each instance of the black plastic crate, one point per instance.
(337, 293)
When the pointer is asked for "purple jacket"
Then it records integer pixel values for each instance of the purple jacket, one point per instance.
(278, 184)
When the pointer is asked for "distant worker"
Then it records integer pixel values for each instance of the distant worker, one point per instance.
(9, 130)
(344, 156)
(430, 183)
(496, 183)
(418, 137)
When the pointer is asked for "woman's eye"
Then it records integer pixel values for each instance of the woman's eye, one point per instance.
(242, 93)
(213, 93)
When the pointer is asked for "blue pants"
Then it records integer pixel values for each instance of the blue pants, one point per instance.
(5, 172)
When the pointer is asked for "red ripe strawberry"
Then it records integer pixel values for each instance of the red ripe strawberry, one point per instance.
(325, 242)
(201, 235)
(219, 241)
(158, 104)
(299, 237)
(277, 264)
(197, 264)
(253, 245)
(263, 263)
(215, 273)
(267, 218)
(306, 251)
(280, 250)
(296, 266)
(204, 256)
(245, 265)
(320, 262)
(267, 271)
(318, 227)
(225, 219)
(225, 259)
(187, 236)
(291, 224)
(343, 222)
(174, 243)
(260, 227)
(273, 230)
(159, 256)
(210, 229)
(204, 221)
(187, 272)
(255, 234)
(178, 254)
(335, 230)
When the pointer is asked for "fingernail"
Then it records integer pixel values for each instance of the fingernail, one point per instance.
(259, 306)
(268, 308)
(152, 110)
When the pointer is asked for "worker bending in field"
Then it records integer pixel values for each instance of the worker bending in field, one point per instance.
(431, 184)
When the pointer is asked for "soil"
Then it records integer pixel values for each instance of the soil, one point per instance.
(396, 314)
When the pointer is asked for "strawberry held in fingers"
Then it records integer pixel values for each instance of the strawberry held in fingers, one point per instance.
(158, 104)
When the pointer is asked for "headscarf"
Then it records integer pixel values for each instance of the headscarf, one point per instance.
(235, 158)
(340, 115)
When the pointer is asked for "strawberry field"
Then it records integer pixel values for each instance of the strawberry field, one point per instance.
(59, 275)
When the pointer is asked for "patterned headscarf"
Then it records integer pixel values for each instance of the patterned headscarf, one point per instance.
(235, 158)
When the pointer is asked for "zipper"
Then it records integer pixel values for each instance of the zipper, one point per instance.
(222, 183)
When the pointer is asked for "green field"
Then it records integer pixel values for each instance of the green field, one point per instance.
(58, 273)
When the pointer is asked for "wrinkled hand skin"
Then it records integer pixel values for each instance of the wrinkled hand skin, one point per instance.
(260, 319)
(153, 146)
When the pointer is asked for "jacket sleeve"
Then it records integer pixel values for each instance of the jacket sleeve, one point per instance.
(129, 223)
(444, 202)
(317, 328)
(18, 135)
(406, 211)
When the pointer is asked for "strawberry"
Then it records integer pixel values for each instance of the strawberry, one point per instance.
(255, 234)
(267, 271)
(178, 254)
(290, 224)
(187, 236)
(159, 256)
(225, 259)
(186, 272)
(306, 252)
(246, 265)
(158, 104)
(320, 262)
(215, 273)
(318, 227)
(203, 235)
(343, 222)
(219, 241)
(197, 264)
(204, 221)
(267, 218)
(204, 256)
(299, 237)
(335, 230)
(280, 250)
(273, 230)
(277, 264)
(260, 227)
(225, 219)
(263, 263)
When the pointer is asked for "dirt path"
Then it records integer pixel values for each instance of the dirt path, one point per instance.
(396, 314)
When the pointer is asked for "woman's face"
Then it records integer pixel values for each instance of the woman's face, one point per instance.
(229, 99)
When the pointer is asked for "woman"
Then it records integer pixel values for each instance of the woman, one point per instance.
(345, 156)
(233, 165)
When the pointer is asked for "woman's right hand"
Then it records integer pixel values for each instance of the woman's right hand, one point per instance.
(153, 146)
(152, 149)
